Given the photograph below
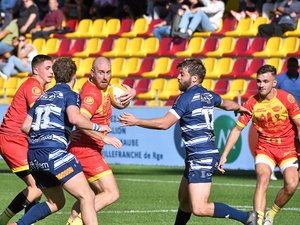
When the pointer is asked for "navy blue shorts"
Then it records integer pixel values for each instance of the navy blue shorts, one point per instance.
(52, 168)
(201, 170)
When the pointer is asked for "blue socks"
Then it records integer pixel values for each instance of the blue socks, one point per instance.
(36, 213)
(224, 211)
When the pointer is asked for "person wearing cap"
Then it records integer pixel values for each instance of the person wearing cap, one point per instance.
(7, 34)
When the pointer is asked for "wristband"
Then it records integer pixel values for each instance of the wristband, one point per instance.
(96, 127)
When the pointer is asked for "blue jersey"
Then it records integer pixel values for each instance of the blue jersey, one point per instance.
(195, 108)
(50, 127)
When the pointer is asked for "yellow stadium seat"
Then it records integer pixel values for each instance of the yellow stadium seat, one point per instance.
(140, 26)
(51, 46)
(85, 67)
(253, 31)
(209, 84)
(78, 85)
(11, 86)
(226, 45)
(112, 27)
(97, 29)
(84, 27)
(122, 67)
(120, 45)
(155, 103)
(171, 90)
(244, 24)
(150, 45)
(93, 46)
(135, 45)
(2, 87)
(22, 74)
(210, 64)
(158, 85)
(273, 45)
(39, 44)
(237, 88)
(208, 33)
(195, 45)
(223, 66)
(290, 45)
(276, 62)
(116, 80)
(162, 65)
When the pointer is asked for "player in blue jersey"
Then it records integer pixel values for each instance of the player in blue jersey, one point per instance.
(49, 123)
(194, 109)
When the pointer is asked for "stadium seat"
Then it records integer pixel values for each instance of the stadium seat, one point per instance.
(106, 46)
(171, 90)
(276, 62)
(12, 85)
(209, 84)
(115, 80)
(92, 46)
(64, 46)
(225, 45)
(52, 83)
(155, 103)
(161, 65)
(250, 90)
(71, 24)
(78, 85)
(112, 27)
(289, 46)
(173, 72)
(273, 45)
(39, 44)
(150, 45)
(2, 87)
(76, 46)
(164, 46)
(139, 102)
(126, 25)
(241, 45)
(146, 66)
(135, 44)
(177, 45)
(195, 45)
(84, 27)
(237, 88)
(293, 33)
(169, 102)
(239, 67)
(140, 26)
(252, 68)
(122, 67)
(77, 61)
(209, 45)
(157, 86)
(229, 24)
(223, 66)
(243, 25)
(97, 29)
(51, 46)
(129, 81)
(120, 45)
(85, 67)
(142, 86)
(209, 64)
(253, 31)
(257, 45)
(149, 31)
(221, 87)
(208, 33)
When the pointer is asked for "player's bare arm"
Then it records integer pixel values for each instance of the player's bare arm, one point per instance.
(230, 105)
(162, 123)
(26, 124)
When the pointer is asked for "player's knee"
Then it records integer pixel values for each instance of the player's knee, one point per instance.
(114, 195)
(291, 186)
(199, 211)
(264, 179)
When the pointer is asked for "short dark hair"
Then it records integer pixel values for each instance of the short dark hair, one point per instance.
(293, 60)
(40, 59)
(64, 69)
(194, 67)
(267, 69)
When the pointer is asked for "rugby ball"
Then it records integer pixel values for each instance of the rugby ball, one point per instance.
(115, 91)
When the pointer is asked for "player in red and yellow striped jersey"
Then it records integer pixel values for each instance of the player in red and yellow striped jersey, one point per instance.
(13, 143)
(276, 117)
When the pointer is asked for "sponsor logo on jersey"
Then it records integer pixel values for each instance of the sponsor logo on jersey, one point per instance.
(65, 173)
(291, 98)
(88, 100)
(36, 91)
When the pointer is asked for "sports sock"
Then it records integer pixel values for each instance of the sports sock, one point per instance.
(6, 216)
(274, 210)
(225, 211)
(182, 217)
(260, 217)
(30, 205)
(77, 220)
(36, 213)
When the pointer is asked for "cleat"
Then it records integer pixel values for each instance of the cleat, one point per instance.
(268, 220)
(252, 219)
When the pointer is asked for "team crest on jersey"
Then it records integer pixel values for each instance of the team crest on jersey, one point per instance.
(291, 98)
(88, 100)
(36, 91)
(276, 108)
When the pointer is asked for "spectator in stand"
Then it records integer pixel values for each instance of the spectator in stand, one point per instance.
(7, 7)
(51, 22)
(28, 16)
(7, 34)
(164, 28)
(287, 15)
(249, 8)
(156, 9)
(204, 18)
(21, 62)
(268, 8)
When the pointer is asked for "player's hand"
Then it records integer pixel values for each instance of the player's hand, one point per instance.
(127, 119)
(242, 110)
(75, 135)
(105, 129)
(128, 95)
(221, 163)
(112, 141)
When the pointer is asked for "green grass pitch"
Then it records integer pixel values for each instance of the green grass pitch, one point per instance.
(149, 197)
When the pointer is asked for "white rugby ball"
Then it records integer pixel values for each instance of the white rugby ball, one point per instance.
(115, 91)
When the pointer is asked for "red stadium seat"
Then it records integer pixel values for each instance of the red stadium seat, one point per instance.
(177, 45)
(251, 90)
(77, 46)
(221, 87)
(241, 46)
(164, 46)
(173, 70)
(106, 46)
(149, 32)
(126, 26)
(229, 24)
(142, 86)
(210, 45)
(252, 68)
(257, 45)
(64, 47)
(71, 23)
(239, 67)
(169, 102)
(139, 102)
(146, 66)
(129, 81)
